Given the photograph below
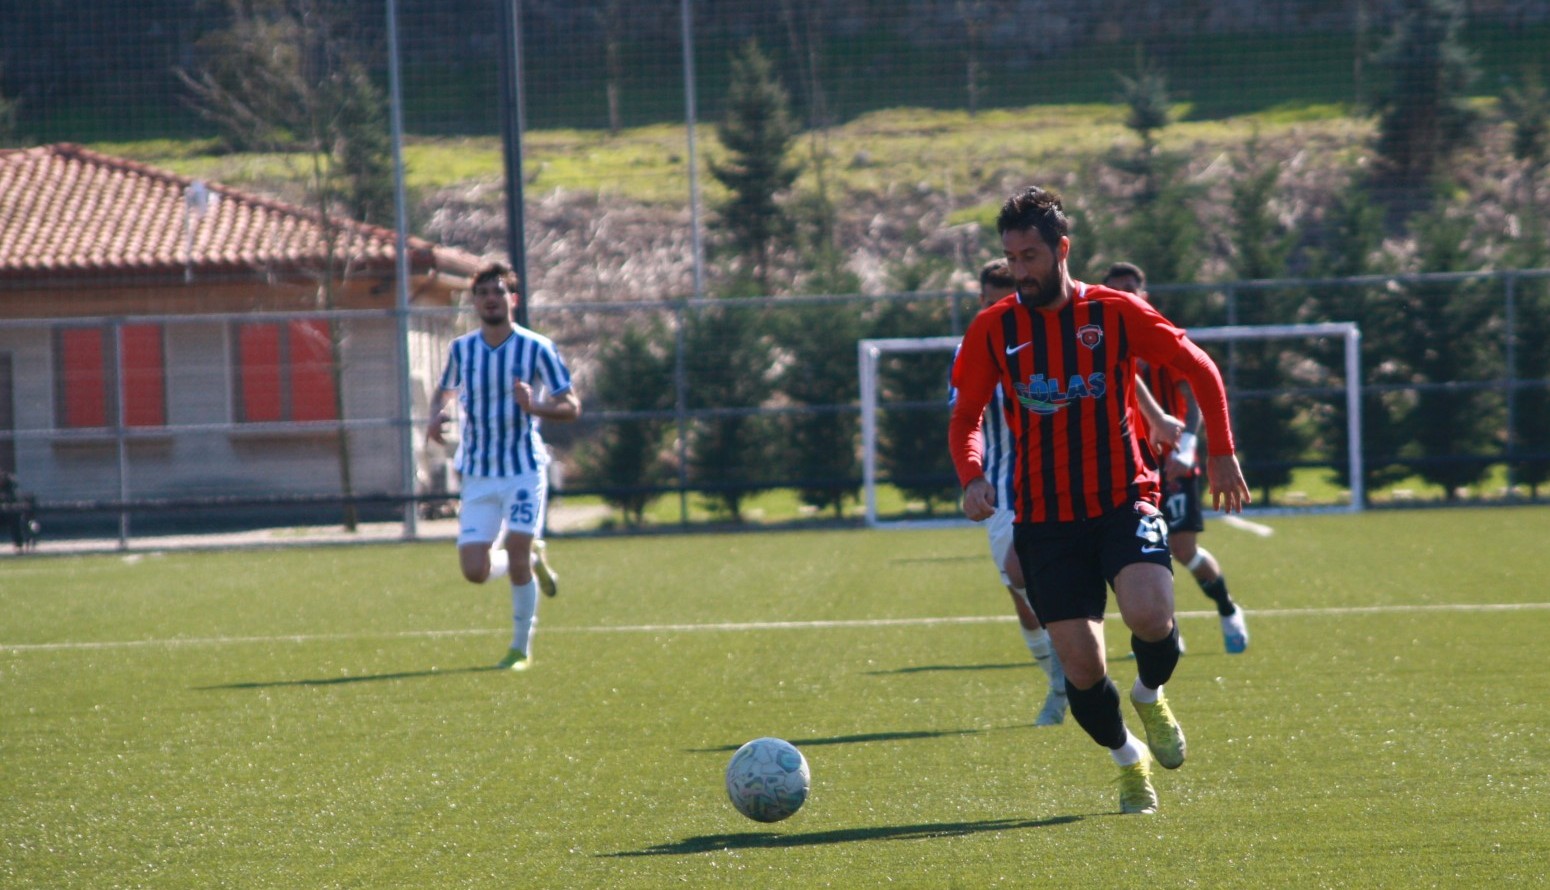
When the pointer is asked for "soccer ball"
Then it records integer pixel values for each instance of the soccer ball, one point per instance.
(767, 779)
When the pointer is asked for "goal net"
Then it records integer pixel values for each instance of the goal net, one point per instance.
(1297, 412)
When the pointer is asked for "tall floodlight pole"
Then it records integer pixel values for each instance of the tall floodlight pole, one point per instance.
(512, 125)
(406, 456)
(694, 167)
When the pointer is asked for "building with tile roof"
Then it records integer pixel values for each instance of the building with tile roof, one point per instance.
(151, 241)
(167, 339)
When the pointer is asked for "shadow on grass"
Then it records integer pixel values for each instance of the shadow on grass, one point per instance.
(709, 843)
(900, 736)
(906, 560)
(932, 668)
(340, 681)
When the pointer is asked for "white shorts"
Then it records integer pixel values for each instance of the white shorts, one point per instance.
(490, 500)
(999, 528)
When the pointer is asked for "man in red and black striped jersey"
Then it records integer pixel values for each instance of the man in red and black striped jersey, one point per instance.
(1181, 478)
(1085, 489)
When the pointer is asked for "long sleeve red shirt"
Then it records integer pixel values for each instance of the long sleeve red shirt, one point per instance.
(1069, 374)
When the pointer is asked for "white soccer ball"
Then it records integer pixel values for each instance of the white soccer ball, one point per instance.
(767, 779)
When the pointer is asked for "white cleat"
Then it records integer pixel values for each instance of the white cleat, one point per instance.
(1235, 632)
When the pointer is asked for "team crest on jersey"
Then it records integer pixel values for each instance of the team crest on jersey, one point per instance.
(1089, 335)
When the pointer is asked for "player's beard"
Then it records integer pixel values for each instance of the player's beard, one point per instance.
(495, 318)
(1038, 294)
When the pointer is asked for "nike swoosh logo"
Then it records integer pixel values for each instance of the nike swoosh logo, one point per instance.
(1153, 549)
(1018, 348)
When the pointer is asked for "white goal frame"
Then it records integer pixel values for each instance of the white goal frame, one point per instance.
(870, 352)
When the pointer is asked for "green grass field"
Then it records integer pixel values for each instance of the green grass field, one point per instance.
(325, 717)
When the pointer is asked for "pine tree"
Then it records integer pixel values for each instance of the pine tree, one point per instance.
(625, 460)
(1269, 429)
(757, 134)
(1531, 333)
(1162, 233)
(1444, 341)
(1355, 236)
(1145, 96)
(1526, 105)
(728, 361)
(9, 132)
(1423, 115)
(912, 423)
(362, 146)
(818, 355)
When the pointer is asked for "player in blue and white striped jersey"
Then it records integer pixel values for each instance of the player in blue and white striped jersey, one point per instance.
(996, 283)
(508, 379)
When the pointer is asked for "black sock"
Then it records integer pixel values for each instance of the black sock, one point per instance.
(1097, 711)
(1155, 661)
(1217, 591)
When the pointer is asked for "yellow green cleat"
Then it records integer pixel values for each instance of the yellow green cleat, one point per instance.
(548, 581)
(1136, 794)
(1164, 735)
(515, 660)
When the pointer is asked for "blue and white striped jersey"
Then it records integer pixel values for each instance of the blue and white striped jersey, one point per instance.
(998, 441)
(498, 438)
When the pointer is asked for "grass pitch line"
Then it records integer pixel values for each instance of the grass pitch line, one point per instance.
(729, 626)
(1232, 520)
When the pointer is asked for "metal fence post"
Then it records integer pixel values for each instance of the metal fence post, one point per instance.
(1510, 334)
(681, 408)
(401, 292)
(691, 121)
(120, 432)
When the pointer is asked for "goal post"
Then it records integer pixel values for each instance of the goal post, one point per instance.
(870, 355)
(1351, 337)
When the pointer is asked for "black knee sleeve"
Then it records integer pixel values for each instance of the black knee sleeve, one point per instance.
(1155, 661)
(1097, 711)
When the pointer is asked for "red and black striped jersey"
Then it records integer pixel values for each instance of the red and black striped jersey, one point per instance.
(1070, 373)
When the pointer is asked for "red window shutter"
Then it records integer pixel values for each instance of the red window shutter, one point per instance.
(144, 369)
(84, 378)
(258, 357)
(312, 376)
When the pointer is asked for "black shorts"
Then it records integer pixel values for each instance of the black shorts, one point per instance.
(1070, 565)
(1181, 505)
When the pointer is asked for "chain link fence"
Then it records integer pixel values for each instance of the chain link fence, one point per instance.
(912, 121)
(136, 425)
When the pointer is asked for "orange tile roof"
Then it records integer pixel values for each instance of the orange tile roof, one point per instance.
(65, 209)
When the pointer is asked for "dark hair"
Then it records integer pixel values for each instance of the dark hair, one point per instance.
(997, 273)
(1035, 208)
(1130, 269)
(497, 272)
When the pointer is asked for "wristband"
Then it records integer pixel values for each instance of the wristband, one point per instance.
(1185, 451)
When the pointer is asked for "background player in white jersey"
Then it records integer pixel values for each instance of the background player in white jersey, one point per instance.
(996, 282)
(497, 372)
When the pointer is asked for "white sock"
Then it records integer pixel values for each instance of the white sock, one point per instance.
(1131, 752)
(1143, 693)
(500, 562)
(524, 614)
(1038, 643)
